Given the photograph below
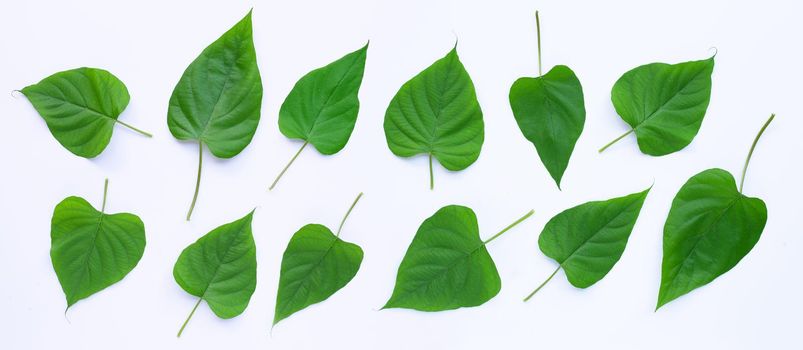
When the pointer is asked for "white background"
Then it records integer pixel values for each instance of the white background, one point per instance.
(147, 44)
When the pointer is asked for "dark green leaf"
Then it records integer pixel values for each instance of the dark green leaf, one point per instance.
(664, 104)
(80, 107)
(437, 113)
(220, 268)
(92, 250)
(218, 99)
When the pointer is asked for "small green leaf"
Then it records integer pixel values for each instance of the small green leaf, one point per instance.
(80, 107)
(664, 104)
(437, 113)
(711, 226)
(323, 105)
(588, 240)
(447, 266)
(92, 250)
(315, 265)
(217, 102)
(221, 268)
(550, 112)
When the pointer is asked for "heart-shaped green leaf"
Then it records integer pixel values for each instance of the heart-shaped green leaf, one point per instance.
(315, 265)
(664, 104)
(80, 107)
(92, 250)
(550, 112)
(711, 226)
(221, 268)
(447, 266)
(323, 105)
(588, 240)
(437, 113)
(218, 99)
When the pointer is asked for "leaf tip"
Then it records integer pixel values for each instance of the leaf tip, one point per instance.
(716, 51)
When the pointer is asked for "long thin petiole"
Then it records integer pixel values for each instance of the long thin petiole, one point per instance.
(538, 34)
(615, 140)
(198, 180)
(287, 166)
(753, 147)
(431, 175)
(189, 317)
(135, 129)
(105, 189)
(530, 213)
(347, 214)
(542, 284)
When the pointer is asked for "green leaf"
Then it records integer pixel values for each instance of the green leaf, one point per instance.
(550, 112)
(664, 104)
(315, 265)
(322, 107)
(437, 113)
(588, 240)
(220, 268)
(80, 107)
(711, 226)
(218, 99)
(447, 266)
(90, 249)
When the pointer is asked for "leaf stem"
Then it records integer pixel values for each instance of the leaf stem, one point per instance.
(616, 140)
(189, 317)
(287, 166)
(538, 34)
(431, 175)
(198, 180)
(145, 133)
(530, 213)
(753, 147)
(105, 189)
(542, 284)
(347, 214)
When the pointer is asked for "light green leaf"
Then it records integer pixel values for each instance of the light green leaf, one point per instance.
(80, 107)
(711, 226)
(550, 112)
(664, 104)
(588, 240)
(315, 265)
(437, 113)
(218, 99)
(447, 266)
(323, 105)
(90, 249)
(220, 268)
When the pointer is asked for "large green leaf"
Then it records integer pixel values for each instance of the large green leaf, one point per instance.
(711, 226)
(588, 240)
(437, 113)
(447, 266)
(315, 265)
(80, 107)
(323, 105)
(92, 250)
(218, 99)
(220, 268)
(664, 104)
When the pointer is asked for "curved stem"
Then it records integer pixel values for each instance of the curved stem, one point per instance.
(135, 129)
(189, 317)
(538, 33)
(347, 214)
(753, 147)
(198, 180)
(431, 175)
(615, 140)
(542, 284)
(530, 213)
(105, 189)
(287, 166)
